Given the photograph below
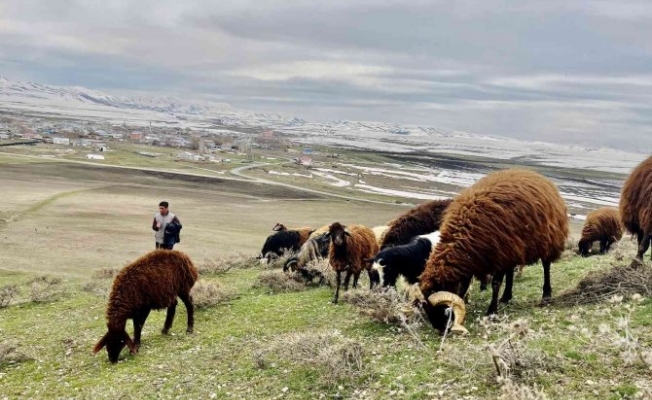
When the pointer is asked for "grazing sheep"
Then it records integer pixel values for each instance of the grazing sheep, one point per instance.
(508, 218)
(636, 207)
(304, 233)
(152, 282)
(348, 251)
(420, 220)
(278, 243)
(314, 249)
(408, 260)
(603, 225)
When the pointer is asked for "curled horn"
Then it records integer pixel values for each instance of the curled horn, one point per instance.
(456, 303)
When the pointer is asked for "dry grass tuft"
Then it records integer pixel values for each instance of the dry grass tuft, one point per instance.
(600, 286)
(7, 295)
(220, 265)
(515, 391)
(97, 288)
(208, 294)
(44, 289)
(10, 355)
(280, 282)
(106, 273)
(512, 358)
(335, 357)
(386, 306)
(279, 262)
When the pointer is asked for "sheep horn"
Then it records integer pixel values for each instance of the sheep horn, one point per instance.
(459, 309)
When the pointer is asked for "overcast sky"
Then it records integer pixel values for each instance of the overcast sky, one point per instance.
(554, 70)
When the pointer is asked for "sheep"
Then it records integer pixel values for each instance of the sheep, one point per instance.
(408, 260)
(602, 224)
(635, 206)
(380, 232)
(348, 251)
(314, 249)
(420, 220)
(508, 218)
(152, 282)
(304, 233)
(278, 243)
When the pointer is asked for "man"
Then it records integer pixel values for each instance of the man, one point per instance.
(163, 220)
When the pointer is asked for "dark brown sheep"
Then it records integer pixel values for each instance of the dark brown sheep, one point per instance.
(349, 249)
(508, 218)
(420, 220)
(602, 225)
(636, 207)
(152, 282)
(304, 233)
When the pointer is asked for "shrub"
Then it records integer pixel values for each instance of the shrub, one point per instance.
(207, 294)
(7, 294)
(220, 265)
(44, 288)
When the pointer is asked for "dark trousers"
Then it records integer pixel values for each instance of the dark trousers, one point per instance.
(163, 246)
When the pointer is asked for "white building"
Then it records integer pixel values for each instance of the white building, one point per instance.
(95, 157)
(61, 140)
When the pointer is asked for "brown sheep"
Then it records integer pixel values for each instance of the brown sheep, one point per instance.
(152, 282)
(508, 218)
(349, 249)
(603, 225)
(420, 220)
(636, 207)
(304, 233)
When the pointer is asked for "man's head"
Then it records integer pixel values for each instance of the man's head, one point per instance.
(163, 207)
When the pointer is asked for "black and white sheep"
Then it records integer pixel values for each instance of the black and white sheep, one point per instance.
(278, 243)
(408, 260)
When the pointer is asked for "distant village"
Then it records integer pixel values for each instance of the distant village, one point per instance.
(194, 145)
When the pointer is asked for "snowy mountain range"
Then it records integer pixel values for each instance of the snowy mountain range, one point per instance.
(82, 103)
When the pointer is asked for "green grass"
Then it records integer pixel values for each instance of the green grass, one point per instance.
(223, 357)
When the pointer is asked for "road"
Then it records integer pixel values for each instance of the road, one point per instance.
(238, 171)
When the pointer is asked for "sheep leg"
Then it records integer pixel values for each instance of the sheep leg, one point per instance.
(463, 290)
(347, 279)
(374, 278)
(356, 276)
(645, 244)
(139, 322)
(483, 283)
(603, 246)
(172, 309)
(190, 310)
(338, 281)
(496, 282)
(509, 282)
(547, 288)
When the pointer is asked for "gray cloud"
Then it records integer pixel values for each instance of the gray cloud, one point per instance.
(560, 71)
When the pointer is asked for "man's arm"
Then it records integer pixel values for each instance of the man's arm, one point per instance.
(175, 219)
(155, 225)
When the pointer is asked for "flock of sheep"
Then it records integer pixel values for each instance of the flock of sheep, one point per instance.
(506, 220)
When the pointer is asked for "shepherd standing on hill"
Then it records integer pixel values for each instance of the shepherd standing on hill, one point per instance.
(167, 227)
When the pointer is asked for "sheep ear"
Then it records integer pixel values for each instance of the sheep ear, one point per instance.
(347, 233)
(130, 343)
(100, 345)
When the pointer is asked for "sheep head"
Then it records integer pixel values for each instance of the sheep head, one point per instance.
(438, 307)
(115, 341)
(279, 227)
(338, 233)
(584, 247)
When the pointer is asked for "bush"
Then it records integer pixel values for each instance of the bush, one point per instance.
(280, 282)
(220, 265)
(7, 294)
(106, 273)
(98, 288)
(334, 356)
(207, 294)
(44, 288)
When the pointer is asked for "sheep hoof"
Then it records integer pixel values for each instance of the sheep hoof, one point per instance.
(165, 331)
(545, 301)
(190, 331)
